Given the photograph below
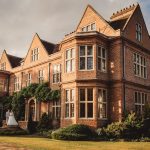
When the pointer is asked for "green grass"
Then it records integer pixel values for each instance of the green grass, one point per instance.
(37, 143)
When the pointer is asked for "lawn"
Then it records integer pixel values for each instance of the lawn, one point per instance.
(36, 143)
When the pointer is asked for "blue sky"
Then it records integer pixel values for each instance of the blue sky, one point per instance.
(51, 19)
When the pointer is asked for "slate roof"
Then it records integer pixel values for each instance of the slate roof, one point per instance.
(14, 61)
(50, 47)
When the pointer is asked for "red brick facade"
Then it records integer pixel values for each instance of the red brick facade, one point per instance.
(118, 38)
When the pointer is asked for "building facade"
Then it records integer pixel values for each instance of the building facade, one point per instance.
(102, 69)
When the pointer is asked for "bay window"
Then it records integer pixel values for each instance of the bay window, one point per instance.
(86, 57)
(86, 103)
(102, 59)
(69, 103)
(102, 103)
(70, 60)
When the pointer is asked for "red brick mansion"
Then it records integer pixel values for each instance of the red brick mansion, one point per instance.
(101, 69)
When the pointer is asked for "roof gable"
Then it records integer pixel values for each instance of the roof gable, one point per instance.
(91, 16)
(44, 50)
(130, 28)
(4, 59)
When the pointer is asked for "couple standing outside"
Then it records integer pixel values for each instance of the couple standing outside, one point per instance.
(10, 119)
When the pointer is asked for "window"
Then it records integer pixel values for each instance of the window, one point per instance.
(86, 57)
(69, 104)
(3, 66)
(28, 79)
(140, 99)
(102, 60)
(16, 84)
(70, 60)
(138, 32)
(90, 27)
(140, 68)
(102, 103)
(86, 103)
(35, 54)
(56, 109)
(41, 76)
(56, 73)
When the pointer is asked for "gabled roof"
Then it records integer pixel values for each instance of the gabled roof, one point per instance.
(120, 19)
(50, 47)
(14, 61)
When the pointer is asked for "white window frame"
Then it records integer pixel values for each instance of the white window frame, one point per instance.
(16, 84)
(57, 73)
(3, 66)
(141, 101)
(85, 28)
(86, 57)
(102, 58)
(86, 102)
(35, 54)
(138, 65)
(41, 76)
(70, 102)
(101, 102)
(28, 79)
(55, 106)
(70, 59)
(138, 32)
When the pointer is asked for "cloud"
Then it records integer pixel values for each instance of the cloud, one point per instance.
(51, 19)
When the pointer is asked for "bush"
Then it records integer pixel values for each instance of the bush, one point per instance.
(113, 131)
(13, 132)
(133, 127)
(130, 128)
(44, 123)
(74, 132)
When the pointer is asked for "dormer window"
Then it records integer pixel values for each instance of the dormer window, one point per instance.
(3, 66)
(35, 54)
(90, 27)
(138, 32)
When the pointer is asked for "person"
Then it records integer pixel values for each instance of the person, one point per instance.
(12, 121)
(7, 115)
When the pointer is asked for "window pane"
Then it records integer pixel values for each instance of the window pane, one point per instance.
(82, 110)
(73, 64)
(99, 51)
(72, 110)
(82, 63)
(68, 66)
(72, 95)
(89, 50)
(100, 98)
(103, 53)
(89, 94)
(82, 50)
(99, 63)
(67, 110)
(82, 94)
(90, 110)
(67, 95)
(90, 63)
(93, 26)
(104, 96)
(72, 53)
(136, 97)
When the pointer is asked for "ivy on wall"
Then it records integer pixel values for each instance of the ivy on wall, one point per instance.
(16, 102)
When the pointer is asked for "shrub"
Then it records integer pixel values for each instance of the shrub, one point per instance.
(74, 132)
(133, 127)
(13, 132)
(113, 131)
(44, 123)
(47, 134)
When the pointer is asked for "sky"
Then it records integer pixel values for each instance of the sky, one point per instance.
(51, 19)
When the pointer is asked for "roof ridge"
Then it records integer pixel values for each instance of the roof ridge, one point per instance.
(123, 11)
(48, 42)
